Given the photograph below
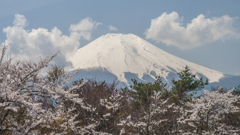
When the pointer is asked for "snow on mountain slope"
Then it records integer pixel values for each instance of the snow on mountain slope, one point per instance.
(127, 53)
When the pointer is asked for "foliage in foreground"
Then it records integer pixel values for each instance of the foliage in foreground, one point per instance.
(32, 104)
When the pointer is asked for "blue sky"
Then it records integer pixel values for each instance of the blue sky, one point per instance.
(204, 32)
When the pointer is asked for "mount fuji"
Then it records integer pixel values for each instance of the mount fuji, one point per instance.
(121, 57)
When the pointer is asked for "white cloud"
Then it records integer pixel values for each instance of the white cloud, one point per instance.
(84, 27)
(20, 20)
(36, 43)
(112, 28)
(168, 29)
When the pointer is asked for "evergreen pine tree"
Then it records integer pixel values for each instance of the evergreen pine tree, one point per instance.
(184, 88)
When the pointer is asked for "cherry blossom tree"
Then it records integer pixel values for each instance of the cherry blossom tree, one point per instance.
(160, 117)
(106, 106)
(206, 113)
(21, 93)
(18, 93)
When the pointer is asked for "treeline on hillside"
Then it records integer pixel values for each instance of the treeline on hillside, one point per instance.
(33, 104)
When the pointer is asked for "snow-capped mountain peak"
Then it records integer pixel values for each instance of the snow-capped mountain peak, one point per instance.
(127, 53)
